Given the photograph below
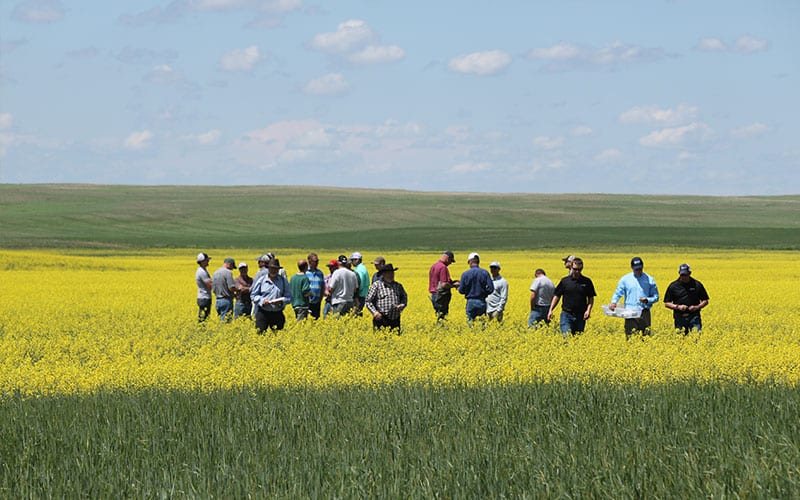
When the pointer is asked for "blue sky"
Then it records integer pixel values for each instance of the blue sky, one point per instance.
(667, 97)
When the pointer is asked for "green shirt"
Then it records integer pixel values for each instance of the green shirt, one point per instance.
(301, 290)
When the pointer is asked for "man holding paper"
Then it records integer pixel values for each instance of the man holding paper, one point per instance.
(271, 294)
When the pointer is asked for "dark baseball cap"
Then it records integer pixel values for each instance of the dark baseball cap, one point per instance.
(450, 254)
(636, 263)
(684, 269)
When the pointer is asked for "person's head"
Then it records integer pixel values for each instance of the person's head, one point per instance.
(313, 261)
(229, 263)
(387, 272)
(333, 265)
(242, 269)
(637, 266)
(379, 262)
(568, 261)
(539, 272)
(302, 265)
(273, 267)
(344, 261)
(684, 273)
(494, 269)
(577, 265)
(355, 258)
(474, 259)
(448, 257)
(202, 259)
(262, 260)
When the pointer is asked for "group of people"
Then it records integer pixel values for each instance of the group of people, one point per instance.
(349, 289)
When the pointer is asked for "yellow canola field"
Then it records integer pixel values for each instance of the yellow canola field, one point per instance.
(77, 322)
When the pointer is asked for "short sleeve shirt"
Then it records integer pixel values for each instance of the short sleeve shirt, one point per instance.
(544, 289)
(200, 278)
(575, 294)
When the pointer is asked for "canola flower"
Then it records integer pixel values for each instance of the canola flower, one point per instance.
(83, 321)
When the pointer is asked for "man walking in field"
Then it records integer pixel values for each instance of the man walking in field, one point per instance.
(316, 282)
(301, 291)
(686, 297)
(356, 260)
(440, 286)
(578, 292)
(496, 301)
(270, 294)
(640, 292)
(542, 291)
(386, 299)
(204, 285)
(475, 284)
(244, 305)
(224, 286)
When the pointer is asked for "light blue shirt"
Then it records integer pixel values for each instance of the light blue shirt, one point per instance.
(633, 288)
(267, 288)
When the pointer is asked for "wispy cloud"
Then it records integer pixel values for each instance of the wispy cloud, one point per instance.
(138, 141)
(748, 131)
(676, 136)
(327, 85)
(744, 45)
(39, 11)
(568, 56)
(484, 63)
(682, 113)
(241, 60)
(349, 35)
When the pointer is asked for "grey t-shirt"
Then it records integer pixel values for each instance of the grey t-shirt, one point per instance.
(223, 282)
(200, 278)
(545, 289)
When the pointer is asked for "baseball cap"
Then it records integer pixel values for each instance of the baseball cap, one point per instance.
(568, 258)
(202, 256)
(355, 255)
(684, 269)
(450, 254)
(378, 260)
(474, 255)
(263, 258)
(333, 263)
(242, 264)
(230, 261)
(636, 263)
(342, 259)
(495, 264)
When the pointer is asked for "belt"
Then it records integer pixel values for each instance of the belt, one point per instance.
(224, 298)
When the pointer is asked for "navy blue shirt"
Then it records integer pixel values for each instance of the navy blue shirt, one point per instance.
(476, 283)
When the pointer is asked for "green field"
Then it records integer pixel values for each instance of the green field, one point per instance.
(564, 440)
(310, 217)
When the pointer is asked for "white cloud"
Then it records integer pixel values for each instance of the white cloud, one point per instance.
(676, 136)
(567, 56)
(484, 63)
(138, 141)
(39, 11)
(393, 128)
(241, 59)
(162, 73)
(683, 113)
(281, 6)
(608, 155)
(349, 35)
(470, 168)
(209, 138)
(377, 54)
(548, 143)
(749, 44)
(581, 131)
(330, 84)
(711, 45)
(752, 130)
(6, 121)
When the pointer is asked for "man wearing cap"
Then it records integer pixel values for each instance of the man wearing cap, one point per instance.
(224, 285)
(378, 262)
(204, 285)
(578, 292)
(440, 285)
(270, 294)
(386, 299)
(301, 290)
(568, 263)
(343, 287)
(496, 302)
(475, 284)
(686, 297)
(640, 292)
(316, 282)
(542, 291)
(243, 282)
(332, 266)
(363, 282)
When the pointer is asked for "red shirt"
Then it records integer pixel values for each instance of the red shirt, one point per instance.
(438, 274)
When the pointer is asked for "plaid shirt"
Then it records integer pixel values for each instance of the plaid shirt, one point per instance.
(384, 297)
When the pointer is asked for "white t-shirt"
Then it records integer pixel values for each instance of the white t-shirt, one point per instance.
(200, 277)
(545, 289)
(343, 285)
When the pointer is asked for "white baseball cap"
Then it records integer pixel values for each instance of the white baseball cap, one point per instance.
(495, 264)
(202, 256)
(355, 255)
(474, 255)
(242, 264)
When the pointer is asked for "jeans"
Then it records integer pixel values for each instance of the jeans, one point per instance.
(385, 322)
(224, 306)
(475, 308)
(313, 309)
(242, 309)
(571, 324)
(498, 315)
(688, 323)
(341, 308)
(269, 319)
(204, 308)
(441, 302)
(538, 314)
(327, 309)
(300, 312)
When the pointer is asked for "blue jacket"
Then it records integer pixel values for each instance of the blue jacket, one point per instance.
(476, 283)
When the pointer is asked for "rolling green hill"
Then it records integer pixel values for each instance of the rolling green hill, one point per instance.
(92, 216)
